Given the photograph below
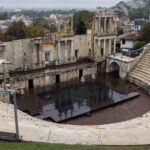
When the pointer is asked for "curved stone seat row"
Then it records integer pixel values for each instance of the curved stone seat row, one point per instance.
(32, 129)
(140, 75)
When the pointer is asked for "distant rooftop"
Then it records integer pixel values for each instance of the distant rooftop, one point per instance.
(133, 36)
(103, 10)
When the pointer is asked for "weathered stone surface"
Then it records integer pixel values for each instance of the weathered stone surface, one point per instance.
(132, 132)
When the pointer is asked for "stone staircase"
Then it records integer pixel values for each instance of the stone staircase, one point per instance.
(140, 75)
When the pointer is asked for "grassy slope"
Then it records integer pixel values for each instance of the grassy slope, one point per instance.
(36, 146)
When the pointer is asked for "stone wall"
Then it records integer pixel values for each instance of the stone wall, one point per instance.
(80, 44)
(47, 77)
(19, 53)
(52, 50)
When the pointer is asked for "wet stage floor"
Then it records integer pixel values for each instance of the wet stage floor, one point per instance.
(66, 102)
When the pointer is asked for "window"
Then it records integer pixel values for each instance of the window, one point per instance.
(123, 41)
(102, 52)
(90, 53)
(76, 53)
(47, 56)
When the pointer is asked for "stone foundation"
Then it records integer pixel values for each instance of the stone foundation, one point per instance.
(48, 77)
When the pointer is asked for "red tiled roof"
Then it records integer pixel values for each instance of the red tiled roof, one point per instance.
(46, 41)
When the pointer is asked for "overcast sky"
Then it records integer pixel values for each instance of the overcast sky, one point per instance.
(57, 3)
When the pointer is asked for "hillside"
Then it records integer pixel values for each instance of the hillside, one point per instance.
(136, 3)
(133, 9)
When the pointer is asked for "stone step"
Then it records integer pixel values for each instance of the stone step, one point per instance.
(141, 68)
(147, 54)
(141, 72)
(143, 81)
(142, 76)
(144, 63)
(145, 59)
(134, 78)
(144, 70)
(137, 81)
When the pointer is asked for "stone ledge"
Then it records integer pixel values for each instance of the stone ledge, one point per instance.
(132, 132)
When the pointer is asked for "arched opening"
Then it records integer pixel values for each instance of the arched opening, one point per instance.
(114, 69)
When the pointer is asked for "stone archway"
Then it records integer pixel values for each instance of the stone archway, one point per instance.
(114, 68)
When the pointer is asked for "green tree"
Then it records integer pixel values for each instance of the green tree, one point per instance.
(35, 31)
(139, 44)
(119, 31)
(3, 15)
(81, 28)
(16, 30)
(145, 33)
(83, 18)
(52, 28)
(41, 22)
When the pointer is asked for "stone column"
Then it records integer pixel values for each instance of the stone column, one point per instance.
(105, 24)
(71, 23)
(109, 26)
(58, 53)
(72, 51)
(115, 45)
(99, 24)
(109, 46)
(115, 25)
(104, 53)
(99, 48)
(96, 23)
(66, 52)
(40, 55)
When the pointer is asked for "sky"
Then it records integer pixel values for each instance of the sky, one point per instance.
(57, 3)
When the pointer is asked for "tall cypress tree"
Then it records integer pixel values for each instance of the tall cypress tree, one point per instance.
(81, 28)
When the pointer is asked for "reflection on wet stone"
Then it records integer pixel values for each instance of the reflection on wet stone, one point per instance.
(69, 102)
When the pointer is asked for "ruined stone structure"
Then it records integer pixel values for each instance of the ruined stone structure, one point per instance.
(46, 61)
(104, 33)
(119, 63)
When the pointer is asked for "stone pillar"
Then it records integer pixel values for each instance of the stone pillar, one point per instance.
(66, 52)
(40, 55)
(94, 24)
(115, 25)
(71, 23)
(105, 24)
(72, 51)
(99, 24)
(109, 25)
(109, 46)
(104, 47)
(58, 53)
(114, 45)
(99, 48)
